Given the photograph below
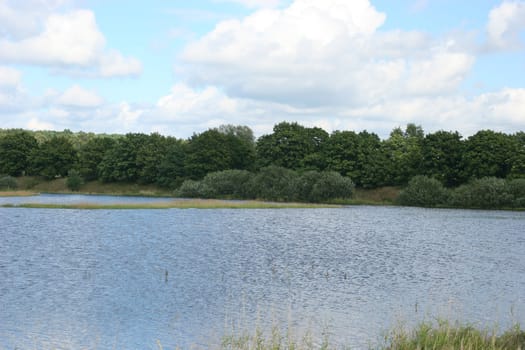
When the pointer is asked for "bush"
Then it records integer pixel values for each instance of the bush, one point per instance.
(74, 180)
(228, 183)
(423, 191)
(7, 182)
(274, 183)
(305, 184)
(485, 193)
(193, 189)
(331, 185)
(516, 189)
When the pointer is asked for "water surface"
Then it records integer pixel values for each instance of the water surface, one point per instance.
(109, 279)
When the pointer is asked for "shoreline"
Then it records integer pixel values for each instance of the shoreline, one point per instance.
(178, 204)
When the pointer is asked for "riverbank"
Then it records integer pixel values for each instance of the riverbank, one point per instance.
(28, 186)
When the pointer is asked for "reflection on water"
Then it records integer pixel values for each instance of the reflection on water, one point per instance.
(124, 279)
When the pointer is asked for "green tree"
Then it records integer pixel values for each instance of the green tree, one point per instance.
(341, 152)
(489, 154)
(54, 158)
(74, 180)
(120, 163)
(213, 151)
(92, 154)
(403, 149)
(242, 132)
(15, 152)
(170, 169)
(517, 170)
(292, 146)
(442, 154)
(149, 155)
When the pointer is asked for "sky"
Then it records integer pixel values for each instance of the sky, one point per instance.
(180, 67)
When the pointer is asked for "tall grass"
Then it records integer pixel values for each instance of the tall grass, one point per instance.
(445, 335)
(425, 336)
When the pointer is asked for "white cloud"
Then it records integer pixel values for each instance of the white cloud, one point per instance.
(9, 77)
(13, 98)
(70, 42)
(19, 19)
(254, 3)
(505, 24)
(78, 97)
(113, 64)
(37, 124)
(322, 53)
(127, 116)
(69, 39)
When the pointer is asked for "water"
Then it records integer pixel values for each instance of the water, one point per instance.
(102, 279)
(48, 198)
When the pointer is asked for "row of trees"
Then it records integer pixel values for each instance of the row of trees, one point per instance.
(167, 161)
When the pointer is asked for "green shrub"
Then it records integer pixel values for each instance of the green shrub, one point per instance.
(305, 184)
(194, 189)
(274, 183)
(516, 189)
(74, 180)
(228, 183)
(485, 193)
(7, 182)
(423, 191)
(331, 185)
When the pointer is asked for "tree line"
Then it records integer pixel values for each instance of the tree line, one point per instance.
(367, 160)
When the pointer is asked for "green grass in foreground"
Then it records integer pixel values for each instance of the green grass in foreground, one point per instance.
(426, 336)
(185, 204)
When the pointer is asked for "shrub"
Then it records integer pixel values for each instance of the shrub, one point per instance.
(485, 193)
(331, 185)
(7, 182)
(274, 183)
(228, 183)
(305, 183)
(193, 189)
(516, 189)
(423, 191)
(74, 180)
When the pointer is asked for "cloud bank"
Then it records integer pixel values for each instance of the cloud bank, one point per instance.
(327, 63)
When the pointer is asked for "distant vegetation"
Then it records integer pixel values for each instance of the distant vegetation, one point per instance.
(293, 163)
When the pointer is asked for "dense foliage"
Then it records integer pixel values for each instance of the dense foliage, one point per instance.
(424, 191)
(484, 193)
(272, 183)
(283, 165)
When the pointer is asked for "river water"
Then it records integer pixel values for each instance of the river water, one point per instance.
(134, 279)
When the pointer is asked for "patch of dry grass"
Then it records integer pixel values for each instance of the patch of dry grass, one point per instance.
(181, 204)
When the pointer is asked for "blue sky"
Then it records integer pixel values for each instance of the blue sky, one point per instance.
(179, 67)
